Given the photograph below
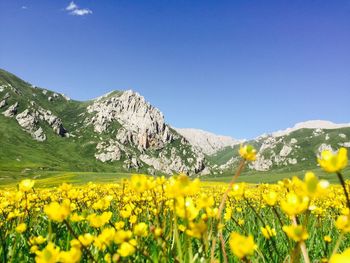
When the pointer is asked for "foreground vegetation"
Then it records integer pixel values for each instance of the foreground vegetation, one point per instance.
(147, 219)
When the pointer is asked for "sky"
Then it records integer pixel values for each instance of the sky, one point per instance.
(237, 68)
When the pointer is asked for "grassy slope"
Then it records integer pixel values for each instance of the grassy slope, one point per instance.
(274, 176)
(55, 178)
(18, 151)
(308, 148)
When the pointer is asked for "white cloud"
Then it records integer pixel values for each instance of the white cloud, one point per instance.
(24, 7)
(81, 12)
(71, 6)
(76, 11)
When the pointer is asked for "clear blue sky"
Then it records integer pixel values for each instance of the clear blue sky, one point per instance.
(238, 68)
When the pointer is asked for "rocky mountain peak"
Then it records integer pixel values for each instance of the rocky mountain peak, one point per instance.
(312, 124)
(136, 116)
(207, 142)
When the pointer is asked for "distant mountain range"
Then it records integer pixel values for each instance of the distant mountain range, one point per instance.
(120, 131)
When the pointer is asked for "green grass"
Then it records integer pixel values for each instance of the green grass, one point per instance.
(54, 178)
(256, 177)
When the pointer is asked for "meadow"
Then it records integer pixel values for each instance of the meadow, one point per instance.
(140, 218)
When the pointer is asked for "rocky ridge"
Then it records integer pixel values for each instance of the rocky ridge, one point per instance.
(142, 126)
(293, 147)
(207, 142)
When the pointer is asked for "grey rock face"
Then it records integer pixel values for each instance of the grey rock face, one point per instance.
(108, 151)
(132, 163)
(173, 164)
(39, 135)
(11, 111)
(53, 121)
(141, 119)
(28, 121)
(3, 103)
(66, 97)
(6, 96)
(261, 164)
(207, 142)
(125, 137)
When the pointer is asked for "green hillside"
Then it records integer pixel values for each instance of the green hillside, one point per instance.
(74, 149)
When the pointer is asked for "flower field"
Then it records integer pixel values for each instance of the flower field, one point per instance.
(177, 219)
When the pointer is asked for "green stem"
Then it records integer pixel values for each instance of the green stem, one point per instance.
(341, 179)
(176, 234)
(82, 245)
(338, 243)
(221, 208)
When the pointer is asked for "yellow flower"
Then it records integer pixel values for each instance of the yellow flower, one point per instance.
(71, 256)
(181, 185)
(50, 254)
(140, 183)
(228, 214)
(205, 201)
(294, 204)
(182, 228)
(185, 208)
(119, 225)
(158, 232)
(133, 219)
(197, 229)
(105, 238)
(268, 232)
(343, 223)
(312, 186)
(37, 240)
(99, 220)
(33, 249)
(122, 236)
(126, 249)
(21, 228)
(108, 258)
(103, 203)
(238, 190)
(270, 198)
(242, 246)
(141, 230)
(247, 152)
(57, 212)
(327, 239)
(241, 222)
(341, 258)
(296, 232)
(333, 162)
(126, 212)
(86, 239)
(76, 218)
(26, 185)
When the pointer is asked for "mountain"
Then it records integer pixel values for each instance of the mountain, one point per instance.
(207, 142)
(313, 124)
(119, 131)
(293, 149)
(122, 132)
